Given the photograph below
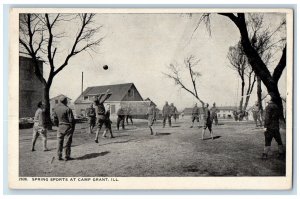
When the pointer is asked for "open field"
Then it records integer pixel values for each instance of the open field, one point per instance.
(176, 151)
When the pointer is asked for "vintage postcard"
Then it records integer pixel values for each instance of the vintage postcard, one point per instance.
(151, 98)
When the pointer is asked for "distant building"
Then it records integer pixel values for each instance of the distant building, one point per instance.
(226, 112)
(30, 88)
(120, 93)
(55, 100)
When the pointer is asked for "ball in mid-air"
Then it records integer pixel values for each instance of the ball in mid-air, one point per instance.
(105, 67)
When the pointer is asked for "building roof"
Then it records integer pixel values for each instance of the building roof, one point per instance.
(151, 102)
(58, 97)
(118, 91)
(227, 108)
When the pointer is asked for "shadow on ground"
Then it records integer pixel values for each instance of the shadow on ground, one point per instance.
(163, 133)
(92, 155)
(215, 137)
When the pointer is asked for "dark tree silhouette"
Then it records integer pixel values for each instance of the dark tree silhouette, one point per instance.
(40, 37)
(253, 56)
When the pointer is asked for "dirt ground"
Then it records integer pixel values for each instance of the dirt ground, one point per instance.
(176, 151)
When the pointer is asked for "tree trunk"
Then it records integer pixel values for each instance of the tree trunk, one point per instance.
(259, 98)
(48, 122)
(242, 96)
(246, 103)
(258, 65)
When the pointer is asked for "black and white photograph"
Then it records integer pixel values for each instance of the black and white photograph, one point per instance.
(116, 94)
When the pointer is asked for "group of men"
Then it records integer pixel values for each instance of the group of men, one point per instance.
(124, 114)
(99, 116)
(209, 115)
(64, 119)
(168, 112)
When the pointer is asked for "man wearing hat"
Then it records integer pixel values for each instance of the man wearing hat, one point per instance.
(66, 126)
(213, 111)
(100, 112)
(272, 117)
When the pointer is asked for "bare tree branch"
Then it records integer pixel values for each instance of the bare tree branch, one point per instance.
(189, 62)
(280, 67)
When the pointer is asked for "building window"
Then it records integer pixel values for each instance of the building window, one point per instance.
(85, 98)
(112, 109)
(56, 101)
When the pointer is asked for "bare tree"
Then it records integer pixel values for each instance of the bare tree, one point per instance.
(254, 58)
(267, 42)
(40, 37)
(238, 62)
(190, 65)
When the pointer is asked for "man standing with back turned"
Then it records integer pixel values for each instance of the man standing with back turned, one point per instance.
(272, 118)
(66, 126)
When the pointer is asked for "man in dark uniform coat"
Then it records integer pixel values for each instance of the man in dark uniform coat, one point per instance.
(129, 115)
(66, 126)
(173, 111)
(121, 117)
(207, 120)
(166, 113)
(195, 115)
(214, 116)
(272, 117)
(108, 127)
(100, 112)
(151, 118)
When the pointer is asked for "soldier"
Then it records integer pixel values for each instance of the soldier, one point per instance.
(66, 126)
(129, 115)
(108, 127)
(39, 127)
(195, 115)
(91, 113)
(207, 121)
(256, 114)
(214, 110)
(100, 112)
(272, 117)
(121, 117)
(151, 117)
(173, 111)
(166, 115)
(235, 114)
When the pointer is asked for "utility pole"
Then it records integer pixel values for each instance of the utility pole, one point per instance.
(81, 83)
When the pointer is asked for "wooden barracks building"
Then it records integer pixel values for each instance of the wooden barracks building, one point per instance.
(120, 93)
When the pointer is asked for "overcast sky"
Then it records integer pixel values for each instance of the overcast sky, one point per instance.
(139, 47)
